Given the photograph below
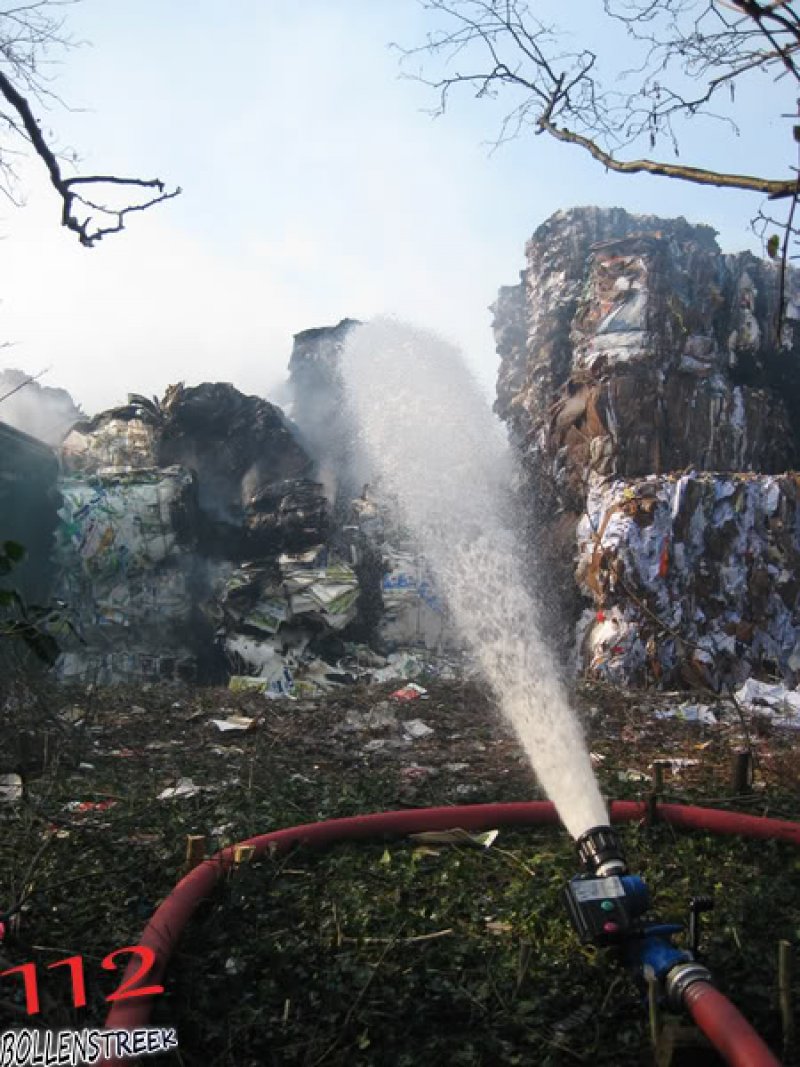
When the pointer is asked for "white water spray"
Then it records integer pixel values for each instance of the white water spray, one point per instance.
(431, 438)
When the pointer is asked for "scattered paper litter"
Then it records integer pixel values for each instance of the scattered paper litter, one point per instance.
(412, 691)
(677, 764)
(632, 775)
(184, 787)
(234, 722)
(456, 836)
(414, 772)
(72, 715)
(226, 750)
(417, 729)
(82, 807)
(701, 713)
(765, 698)
(10, 788)
(375, 745)
(378, 718)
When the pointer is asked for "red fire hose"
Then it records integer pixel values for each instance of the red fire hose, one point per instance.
(728, 1031)
(714, 1015)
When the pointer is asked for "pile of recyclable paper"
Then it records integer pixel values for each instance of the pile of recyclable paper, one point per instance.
(693, 577)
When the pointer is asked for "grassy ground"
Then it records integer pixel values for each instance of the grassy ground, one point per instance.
(389, 953)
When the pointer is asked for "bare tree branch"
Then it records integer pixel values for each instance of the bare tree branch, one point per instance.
(28, 381)
(771, 187)
(25, 30)
(682, 58)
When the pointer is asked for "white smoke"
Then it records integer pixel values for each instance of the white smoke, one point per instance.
(40, 411)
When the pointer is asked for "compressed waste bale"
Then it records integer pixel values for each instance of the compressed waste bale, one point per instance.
(633, 346)
(129, 665)
(693, 577)
(124, 520)
(126, 571)
(123, 437)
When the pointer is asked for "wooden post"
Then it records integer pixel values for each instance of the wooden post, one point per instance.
(243, 853)
(785, 967)
(195, 850)
(656, 791)
(653, 1010)
(742, 772)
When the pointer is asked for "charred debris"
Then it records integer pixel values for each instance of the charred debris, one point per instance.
(205, 537)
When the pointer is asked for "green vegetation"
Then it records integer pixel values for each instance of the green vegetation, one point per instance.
(389, 952)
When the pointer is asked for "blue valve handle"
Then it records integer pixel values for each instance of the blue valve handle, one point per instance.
(654, 951)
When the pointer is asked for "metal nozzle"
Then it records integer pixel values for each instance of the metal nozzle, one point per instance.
(600, 852)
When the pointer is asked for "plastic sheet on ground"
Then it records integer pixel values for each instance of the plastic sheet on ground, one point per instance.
(416, 729)
(412, 691)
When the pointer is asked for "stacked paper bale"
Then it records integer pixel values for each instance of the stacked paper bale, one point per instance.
(694, 578)
(632, 351)
(126, 575)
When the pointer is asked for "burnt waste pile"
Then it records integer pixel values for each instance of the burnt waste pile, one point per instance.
(207, 538)
(175, 517)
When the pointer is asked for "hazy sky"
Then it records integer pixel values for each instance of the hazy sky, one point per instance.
(315, 187)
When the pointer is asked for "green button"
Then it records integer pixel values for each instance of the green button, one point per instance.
(607, 905)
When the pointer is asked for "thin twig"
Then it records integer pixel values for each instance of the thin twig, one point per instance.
(28, 381)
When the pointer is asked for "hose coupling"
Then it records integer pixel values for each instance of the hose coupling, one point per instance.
(680, 978)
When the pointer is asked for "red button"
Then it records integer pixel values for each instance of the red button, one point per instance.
(611, 928)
